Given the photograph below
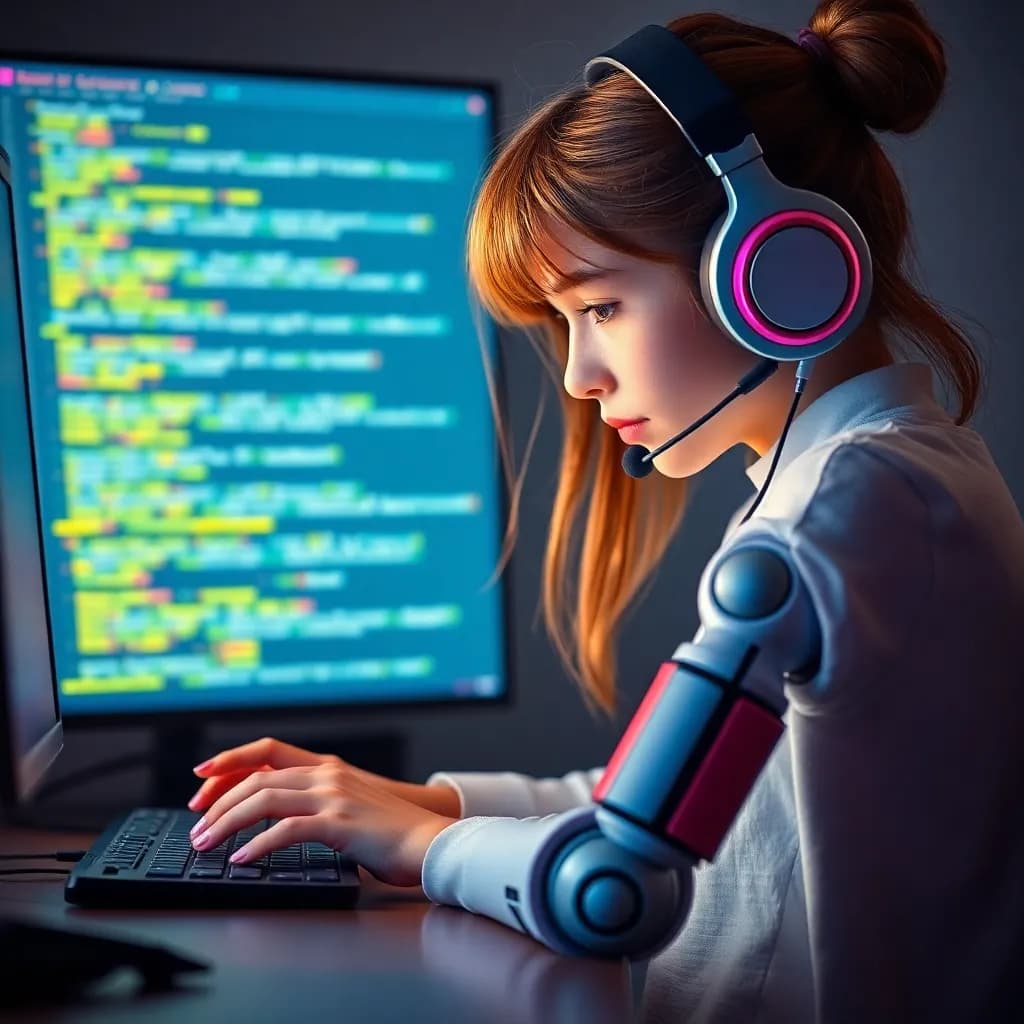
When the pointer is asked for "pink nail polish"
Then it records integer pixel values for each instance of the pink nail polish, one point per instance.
(201, 842)
(239, 855)
(198, 827)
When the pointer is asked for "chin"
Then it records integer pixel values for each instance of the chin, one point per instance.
(680, 461)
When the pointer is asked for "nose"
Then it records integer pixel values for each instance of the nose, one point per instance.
(586, 375)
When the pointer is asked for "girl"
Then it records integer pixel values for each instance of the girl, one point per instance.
(873, 872)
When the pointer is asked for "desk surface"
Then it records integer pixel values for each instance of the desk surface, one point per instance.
(393, 957)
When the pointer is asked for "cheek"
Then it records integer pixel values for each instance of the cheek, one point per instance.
(684, 363)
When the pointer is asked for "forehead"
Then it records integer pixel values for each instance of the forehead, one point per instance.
(572, 254)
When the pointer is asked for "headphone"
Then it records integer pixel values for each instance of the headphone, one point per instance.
(784, 271)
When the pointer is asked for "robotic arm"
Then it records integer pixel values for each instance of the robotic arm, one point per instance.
(615, 878)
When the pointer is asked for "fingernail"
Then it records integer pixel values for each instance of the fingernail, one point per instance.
(204, 765)
(199, 826)
(192, 803)
(200, 842)
(239, 854)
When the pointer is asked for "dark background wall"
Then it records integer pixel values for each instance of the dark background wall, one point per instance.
(959, 171)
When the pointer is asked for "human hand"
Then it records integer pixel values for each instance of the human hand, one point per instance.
(331, 803)
(225, 770)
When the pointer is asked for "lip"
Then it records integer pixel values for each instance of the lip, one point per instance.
(633, 432)
(619, 424)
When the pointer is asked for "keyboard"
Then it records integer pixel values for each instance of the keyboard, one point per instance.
(146, 859)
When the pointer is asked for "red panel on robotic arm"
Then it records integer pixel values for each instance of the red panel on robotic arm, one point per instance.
(689, 757)
(724, 778)
(636, 725)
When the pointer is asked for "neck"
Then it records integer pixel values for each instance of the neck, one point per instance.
(863, 351)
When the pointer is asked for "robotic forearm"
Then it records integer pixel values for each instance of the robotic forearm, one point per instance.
(615, 878)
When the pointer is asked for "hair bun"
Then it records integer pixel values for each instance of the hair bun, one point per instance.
(890, 62)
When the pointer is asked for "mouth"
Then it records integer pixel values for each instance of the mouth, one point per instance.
(619, 424)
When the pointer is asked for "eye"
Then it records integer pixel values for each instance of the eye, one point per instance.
(611, 306)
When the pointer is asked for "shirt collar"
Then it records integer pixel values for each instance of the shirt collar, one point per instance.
(851, 403)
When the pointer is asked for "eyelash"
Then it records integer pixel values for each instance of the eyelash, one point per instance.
(599, 305)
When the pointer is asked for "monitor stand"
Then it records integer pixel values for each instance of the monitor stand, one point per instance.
(176, 748)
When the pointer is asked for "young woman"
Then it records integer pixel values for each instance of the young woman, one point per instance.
(874, 871)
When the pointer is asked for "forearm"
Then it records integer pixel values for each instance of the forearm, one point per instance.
(439, 798)
(515, 795)
(503, 794)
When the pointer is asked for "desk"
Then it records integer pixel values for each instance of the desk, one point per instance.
(393, 957)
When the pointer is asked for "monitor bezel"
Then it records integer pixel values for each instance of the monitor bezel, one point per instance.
(24, 773)
(226, 714)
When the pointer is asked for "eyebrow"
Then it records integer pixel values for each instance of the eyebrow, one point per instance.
(582, 275)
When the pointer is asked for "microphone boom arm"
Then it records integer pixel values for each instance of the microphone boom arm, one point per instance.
(631, 462)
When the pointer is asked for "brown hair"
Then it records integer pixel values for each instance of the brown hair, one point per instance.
(609, 163)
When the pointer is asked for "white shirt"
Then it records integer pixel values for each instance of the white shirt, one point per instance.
(876, 870)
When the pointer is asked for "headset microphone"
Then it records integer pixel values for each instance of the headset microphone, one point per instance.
(638, 461)
(633, 461)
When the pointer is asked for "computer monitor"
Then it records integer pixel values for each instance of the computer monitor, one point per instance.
(30, 727)
(263, 437)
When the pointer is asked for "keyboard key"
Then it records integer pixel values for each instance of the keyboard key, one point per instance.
(170, 862)
(285, 876)
(245, 871)
(321, 874)
(205, 873)
(165, 871)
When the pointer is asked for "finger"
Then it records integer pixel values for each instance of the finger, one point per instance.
(267, 803)
(217, 786)
(214, 788)
(286, 778)
(262, 751)
(305, 829)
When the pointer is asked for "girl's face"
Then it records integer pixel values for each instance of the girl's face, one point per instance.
(639, 348)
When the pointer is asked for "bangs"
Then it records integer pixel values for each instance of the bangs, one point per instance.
(522, 195)
(570, 165)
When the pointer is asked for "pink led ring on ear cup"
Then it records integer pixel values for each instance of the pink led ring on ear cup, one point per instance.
(748, 248)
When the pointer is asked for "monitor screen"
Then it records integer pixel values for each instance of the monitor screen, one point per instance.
(265, 447)
(30, 732)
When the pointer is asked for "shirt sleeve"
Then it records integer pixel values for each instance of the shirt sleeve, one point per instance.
(488, 864)
(513, 795)
(462, 861)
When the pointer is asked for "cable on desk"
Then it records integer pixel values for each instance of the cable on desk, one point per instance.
(68, 856)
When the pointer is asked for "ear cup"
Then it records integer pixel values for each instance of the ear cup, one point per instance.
(794, 279)
(798, 279)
